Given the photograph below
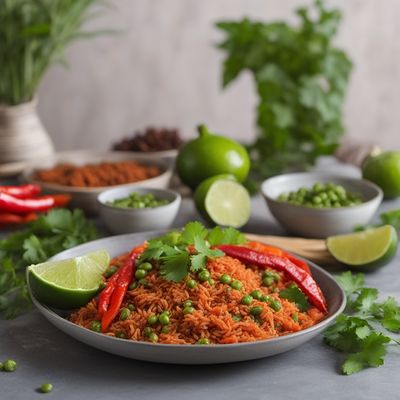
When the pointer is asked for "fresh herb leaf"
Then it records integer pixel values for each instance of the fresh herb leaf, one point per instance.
(192, 230)
(153, 251)
(351, 283)
(51, 233)
(295, 295)
(366, 300)
(360, 332)
(372, 353)
(228, 235)
(197, 261)
(174, 267)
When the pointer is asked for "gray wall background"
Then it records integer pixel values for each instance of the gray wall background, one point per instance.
(164, 71)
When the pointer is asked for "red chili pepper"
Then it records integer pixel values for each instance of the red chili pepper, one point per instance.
(15, 219)
(11, 204)
(21, 192)
(303, 279)
(264, 248)
(300, 263)
(60, 200)
(111, 297)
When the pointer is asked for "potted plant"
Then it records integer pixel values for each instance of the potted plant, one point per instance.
(33, 36)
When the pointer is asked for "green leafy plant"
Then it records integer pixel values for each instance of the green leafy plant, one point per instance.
(58, 230)
(361, 331)
(33, 35)
(301, 81)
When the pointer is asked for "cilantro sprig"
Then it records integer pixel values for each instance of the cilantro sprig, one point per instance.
(58, 230)
(361, 332)
(172, 250)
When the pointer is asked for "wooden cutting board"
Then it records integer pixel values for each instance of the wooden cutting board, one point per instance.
(312, 249)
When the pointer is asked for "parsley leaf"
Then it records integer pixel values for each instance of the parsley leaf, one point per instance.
(197, 262)
(365, 300)
(372, 353)
(350, 283)
(294, 294)
(391, 217)
(362, 335)
(174, 267)
(225, 236)
(55, 231)
(192, 230)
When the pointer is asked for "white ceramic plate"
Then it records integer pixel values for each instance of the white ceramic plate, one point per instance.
(189, 354)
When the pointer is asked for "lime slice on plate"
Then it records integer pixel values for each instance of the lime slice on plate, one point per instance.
(68, 283)
(369, 249)
(223, 201)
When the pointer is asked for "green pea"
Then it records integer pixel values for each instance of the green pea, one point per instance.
(256, 294)
(191, 283)
(237, 318)
(316, 200)
(140, 274)
(246, 300)
(188, 310)
(256, 310)
(146, 266)
(9, 366)
(153, 337)
(237, 285)
(133, 285)
(295, 317)
(165, 329)
(204, 275)
(211, 282)
(46, 388)
(225, 278)
(187, 303)
(268, 280)
(143, 282)
(203, 341)
(152, 319)
(131, 307)
(266, 299)
(273, 275)
(147, 330)
(164, 319)
(275, 305)
(121, 335)
(95, 326)
(124, 314)
(110, 271)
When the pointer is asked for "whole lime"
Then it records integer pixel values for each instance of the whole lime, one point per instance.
(384, 170)
(210, 155)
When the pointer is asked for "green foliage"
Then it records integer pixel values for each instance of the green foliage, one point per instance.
(33, 35)
(172, 250)
(58, 230)
(301, 81)
(360, 331)
(294, 294)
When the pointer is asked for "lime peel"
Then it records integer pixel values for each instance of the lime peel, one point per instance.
(371, 248)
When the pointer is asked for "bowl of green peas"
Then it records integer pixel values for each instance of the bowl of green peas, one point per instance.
(134, 209)
(318, 205)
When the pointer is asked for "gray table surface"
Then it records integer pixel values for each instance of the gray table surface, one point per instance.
(77, 371)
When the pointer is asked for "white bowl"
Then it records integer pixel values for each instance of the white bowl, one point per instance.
(320, 222)
(85, 197)
(128, 220)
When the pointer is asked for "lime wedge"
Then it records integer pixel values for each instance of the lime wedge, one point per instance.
(369, 249)
(223, 202)
(68, 283)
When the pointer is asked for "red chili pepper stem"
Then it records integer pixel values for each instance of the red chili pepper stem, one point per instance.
(303, 279)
